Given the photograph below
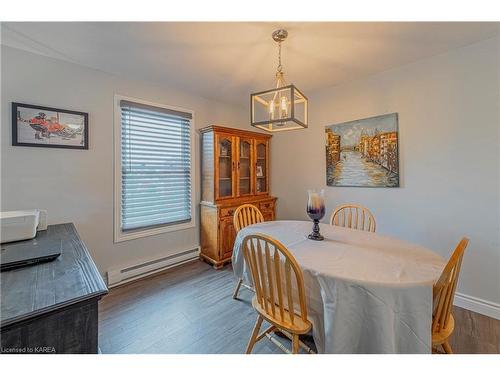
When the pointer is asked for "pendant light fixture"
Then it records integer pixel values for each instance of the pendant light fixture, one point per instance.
(281, 108)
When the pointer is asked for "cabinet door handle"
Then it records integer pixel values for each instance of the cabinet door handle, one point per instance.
(238, 164)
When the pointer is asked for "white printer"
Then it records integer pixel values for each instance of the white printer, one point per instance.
(21, 225)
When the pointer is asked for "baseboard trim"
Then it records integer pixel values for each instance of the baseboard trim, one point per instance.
(478, 305)
(148, 267)
(151, 273)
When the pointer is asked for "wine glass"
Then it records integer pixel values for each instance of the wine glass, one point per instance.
(316, 211)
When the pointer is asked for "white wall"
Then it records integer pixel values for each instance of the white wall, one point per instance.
(449, 157)
(77, 186)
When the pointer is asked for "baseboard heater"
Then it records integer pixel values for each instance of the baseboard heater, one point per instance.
(124, 275)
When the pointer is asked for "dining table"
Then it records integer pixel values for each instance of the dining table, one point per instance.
(365, 292)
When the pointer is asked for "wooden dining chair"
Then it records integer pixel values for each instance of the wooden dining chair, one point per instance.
(279, 288)
(443, 292)
(353, 216)
(245, 215)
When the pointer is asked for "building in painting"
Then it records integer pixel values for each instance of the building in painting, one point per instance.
(332, 147)
(388, 151)
(381, 148)
(374, 148)
(364, 144)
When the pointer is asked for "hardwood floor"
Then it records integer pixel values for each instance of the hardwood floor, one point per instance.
(189, 309)
(475, 333)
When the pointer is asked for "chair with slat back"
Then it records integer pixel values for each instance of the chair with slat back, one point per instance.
(245, 215)
(443, 292)
(353, 216)
(279, 289)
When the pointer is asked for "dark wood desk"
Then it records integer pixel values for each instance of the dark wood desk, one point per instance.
(52, 307)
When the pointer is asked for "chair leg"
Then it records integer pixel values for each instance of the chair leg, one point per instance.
(295, 344)
(237, 289)
(447, 347)
(255, 332)
(290, 337)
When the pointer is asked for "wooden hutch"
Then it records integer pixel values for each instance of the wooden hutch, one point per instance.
(234, 171)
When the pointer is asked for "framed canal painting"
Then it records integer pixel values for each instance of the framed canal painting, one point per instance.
(363, 152)
(37, 126)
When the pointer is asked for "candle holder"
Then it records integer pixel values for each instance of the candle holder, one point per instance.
(316, 211)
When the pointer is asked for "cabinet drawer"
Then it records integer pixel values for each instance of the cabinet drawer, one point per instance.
(268, 215)
(226, 212)
(266, 206)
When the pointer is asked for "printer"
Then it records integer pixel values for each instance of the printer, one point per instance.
(21, 225)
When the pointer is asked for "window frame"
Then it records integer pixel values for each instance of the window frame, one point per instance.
(119, 235)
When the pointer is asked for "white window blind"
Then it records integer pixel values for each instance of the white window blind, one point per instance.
(155, 166)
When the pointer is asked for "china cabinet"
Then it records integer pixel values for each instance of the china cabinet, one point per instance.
(234, 171)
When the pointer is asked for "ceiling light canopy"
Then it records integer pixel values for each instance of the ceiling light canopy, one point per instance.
(281, 108)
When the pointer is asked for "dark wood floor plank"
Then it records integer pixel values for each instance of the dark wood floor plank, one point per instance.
(189, 309)
(475, 333)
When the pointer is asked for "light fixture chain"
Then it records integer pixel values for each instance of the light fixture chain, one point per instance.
(280, 67)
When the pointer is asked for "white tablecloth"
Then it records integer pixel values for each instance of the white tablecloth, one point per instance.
(366, 293)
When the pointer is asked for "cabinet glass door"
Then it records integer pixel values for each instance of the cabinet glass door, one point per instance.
(261, 167)
(244, 167)
(225, 166)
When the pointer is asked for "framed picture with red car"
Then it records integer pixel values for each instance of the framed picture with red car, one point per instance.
(37, 126)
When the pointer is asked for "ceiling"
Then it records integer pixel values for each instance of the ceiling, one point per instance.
(227, 61)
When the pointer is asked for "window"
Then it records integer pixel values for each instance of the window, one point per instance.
(154, 169)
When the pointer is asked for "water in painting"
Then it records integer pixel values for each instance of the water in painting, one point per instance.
(363, 152)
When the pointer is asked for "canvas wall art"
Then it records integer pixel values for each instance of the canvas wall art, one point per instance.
(363, 153)
(38, 126)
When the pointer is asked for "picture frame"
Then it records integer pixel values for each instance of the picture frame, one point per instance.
(363, 153)
(223, 150)
(40, 126)
(260, 173)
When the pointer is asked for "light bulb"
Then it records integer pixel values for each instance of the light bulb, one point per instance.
(284, 107)
(271, 109)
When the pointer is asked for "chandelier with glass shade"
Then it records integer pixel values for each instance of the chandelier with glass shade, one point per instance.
(282, 108)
